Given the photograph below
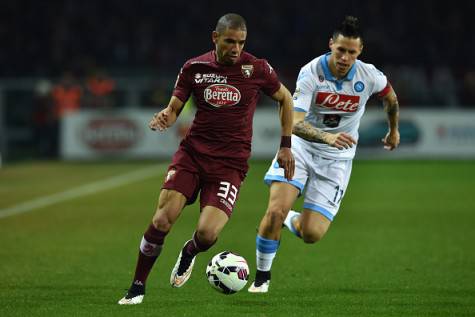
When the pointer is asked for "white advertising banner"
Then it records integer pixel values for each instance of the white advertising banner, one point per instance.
(115, 134)
(424, 134)
(125, 134)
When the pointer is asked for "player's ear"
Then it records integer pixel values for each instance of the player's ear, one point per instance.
(214, 37)
(330, 43)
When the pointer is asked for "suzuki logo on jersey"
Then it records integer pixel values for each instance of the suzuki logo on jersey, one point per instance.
(222, 95)
(210, 79)
(335, 101)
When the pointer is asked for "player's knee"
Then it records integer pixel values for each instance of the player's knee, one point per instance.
(312, 236)
(275, 216)
(207, 236)
(161, 222)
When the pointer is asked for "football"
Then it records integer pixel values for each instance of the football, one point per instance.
(227, 272)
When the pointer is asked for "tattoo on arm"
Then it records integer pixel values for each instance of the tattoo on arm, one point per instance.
(308, 132)
(391, 108)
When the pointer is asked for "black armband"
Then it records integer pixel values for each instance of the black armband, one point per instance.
(286, 141)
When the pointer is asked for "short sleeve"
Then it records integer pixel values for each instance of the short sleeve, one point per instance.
(304, 90)
(271, 82)
(380, 80)
(183, 84)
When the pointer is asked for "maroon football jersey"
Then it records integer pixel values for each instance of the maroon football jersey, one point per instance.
(226, 98)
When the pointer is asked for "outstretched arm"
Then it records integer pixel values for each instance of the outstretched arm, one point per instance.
(285, 157)
(310, 133)
(391, 107)
(167, 117)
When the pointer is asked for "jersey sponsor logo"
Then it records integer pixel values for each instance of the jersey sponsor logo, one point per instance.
(210, 79)
(331, 120)
(339, 102)
(324, 86)
(222, 95)
(199, 62)
(247, 70)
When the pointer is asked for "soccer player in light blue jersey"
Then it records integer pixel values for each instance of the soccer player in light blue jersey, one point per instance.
(329, 101)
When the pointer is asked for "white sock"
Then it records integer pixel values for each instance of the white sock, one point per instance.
(264, 260)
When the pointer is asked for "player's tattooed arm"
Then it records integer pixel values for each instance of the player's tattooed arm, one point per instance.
(391, 107)
(310, 133)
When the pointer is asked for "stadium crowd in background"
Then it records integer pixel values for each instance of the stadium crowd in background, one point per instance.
(426, 52)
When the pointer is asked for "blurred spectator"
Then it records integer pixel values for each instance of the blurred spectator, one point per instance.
(100, 90)
(44, 120)
(67, 95)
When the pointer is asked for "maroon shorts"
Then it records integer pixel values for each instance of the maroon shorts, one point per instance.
(214, 179)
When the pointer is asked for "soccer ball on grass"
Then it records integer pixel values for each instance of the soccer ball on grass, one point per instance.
(227, 272)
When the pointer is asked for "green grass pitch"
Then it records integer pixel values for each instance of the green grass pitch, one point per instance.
(403, 244)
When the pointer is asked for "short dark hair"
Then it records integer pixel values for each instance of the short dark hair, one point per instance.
(350, 27)
(231, 21)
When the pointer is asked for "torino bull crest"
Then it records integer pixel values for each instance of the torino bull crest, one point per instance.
(247, 70)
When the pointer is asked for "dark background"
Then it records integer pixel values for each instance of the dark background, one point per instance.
(426, 48)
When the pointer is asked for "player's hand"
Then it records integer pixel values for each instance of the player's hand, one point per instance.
(286, 160)
(162, 120)
(340, 140)
(391, 140)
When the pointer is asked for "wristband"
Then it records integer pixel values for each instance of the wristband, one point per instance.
(285, 141)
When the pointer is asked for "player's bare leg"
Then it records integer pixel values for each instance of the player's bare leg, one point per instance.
(281, 198)
(169, 207)
(211, 222)
(309, 225)
(313, 226)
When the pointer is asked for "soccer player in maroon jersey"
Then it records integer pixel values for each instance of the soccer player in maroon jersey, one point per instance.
(212, 158)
